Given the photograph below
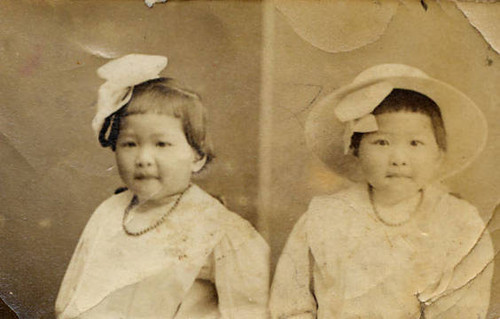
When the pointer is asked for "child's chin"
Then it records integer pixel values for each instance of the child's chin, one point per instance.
(398, 180)
(146, 194)
(402, 184)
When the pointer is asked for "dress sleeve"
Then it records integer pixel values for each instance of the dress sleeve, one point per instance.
(75, 268)
(467, 294)
(292, 294)
(242, 273)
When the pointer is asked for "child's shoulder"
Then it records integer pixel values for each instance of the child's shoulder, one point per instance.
(115, 203)
(460, 210)
(228, 221)
(117, 199)
(459, 215)
(342, 209)
(353, 197)
(109, 211)
(451, 202)
(456, 201)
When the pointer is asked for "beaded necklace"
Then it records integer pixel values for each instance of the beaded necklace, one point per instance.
(370, 191)
(160, 221)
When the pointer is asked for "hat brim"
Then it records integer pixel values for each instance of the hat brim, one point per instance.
(465, 125)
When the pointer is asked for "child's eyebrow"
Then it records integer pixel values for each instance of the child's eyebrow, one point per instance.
(161, 135)
(124, 133)
(375, 133)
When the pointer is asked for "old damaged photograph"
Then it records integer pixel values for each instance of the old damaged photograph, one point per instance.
(130, 143)
(385, 120)
(249, 159)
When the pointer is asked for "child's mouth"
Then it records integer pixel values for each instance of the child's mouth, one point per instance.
(145, 177)
(397, 175)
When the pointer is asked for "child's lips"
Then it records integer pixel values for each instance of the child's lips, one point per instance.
(143, 177)
(397, 175)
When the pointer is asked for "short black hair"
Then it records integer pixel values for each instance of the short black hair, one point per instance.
(409, 101)
(163, 96)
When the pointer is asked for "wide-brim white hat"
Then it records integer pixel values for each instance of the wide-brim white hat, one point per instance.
(326, 126)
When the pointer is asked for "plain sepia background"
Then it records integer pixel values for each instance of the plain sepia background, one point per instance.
(259, 67)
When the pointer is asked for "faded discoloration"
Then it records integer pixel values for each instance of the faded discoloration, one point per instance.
(484, 17)
(356, 23)
(33, 61)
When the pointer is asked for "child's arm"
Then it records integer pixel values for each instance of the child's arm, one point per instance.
(242, 274)
(71, 277)
(467, 293)
(291, 292)
(470, 301)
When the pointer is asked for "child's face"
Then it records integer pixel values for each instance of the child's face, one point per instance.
(402, 155)
(153, 156)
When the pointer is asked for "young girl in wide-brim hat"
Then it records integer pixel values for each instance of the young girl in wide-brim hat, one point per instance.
(395, 244)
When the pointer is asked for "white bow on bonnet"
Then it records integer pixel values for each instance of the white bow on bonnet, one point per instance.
(121, 76)
(356, 108)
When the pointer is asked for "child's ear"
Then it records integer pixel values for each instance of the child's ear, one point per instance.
(198, 163)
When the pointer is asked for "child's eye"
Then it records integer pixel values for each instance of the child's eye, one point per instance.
(128, 144)
(381, 142)
(416, 143)
(163, 144)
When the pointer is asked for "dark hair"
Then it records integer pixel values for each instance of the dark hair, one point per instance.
(410, 101)
(163, 96)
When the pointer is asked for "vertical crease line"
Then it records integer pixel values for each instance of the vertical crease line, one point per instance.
(265, 119)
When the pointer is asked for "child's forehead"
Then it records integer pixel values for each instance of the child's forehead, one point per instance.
(403, 116)
(404, 122)
(149, 102)
(150, 121)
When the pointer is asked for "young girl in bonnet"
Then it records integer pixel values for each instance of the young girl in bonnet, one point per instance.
(395, 244)
(163, 248)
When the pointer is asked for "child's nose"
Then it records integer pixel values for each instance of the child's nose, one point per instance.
(399, 157)
(144, 158)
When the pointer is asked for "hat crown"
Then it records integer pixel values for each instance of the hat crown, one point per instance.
(378, 72)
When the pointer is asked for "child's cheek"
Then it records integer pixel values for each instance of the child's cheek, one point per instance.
(125, 164)
(187, 155)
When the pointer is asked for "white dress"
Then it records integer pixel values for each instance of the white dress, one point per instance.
(342, 261)
(203, 262)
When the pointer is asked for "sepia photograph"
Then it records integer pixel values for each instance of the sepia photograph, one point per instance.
(249, 159)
